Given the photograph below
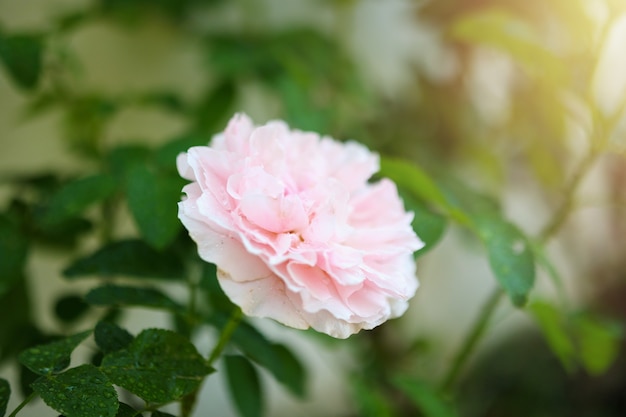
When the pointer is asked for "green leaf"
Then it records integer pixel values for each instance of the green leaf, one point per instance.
(70, 308)
(425, 397)
(418, 183)
(53, 357)
(22, 56)
(17, 331)
(299, 109)
(126, 410)
(83, 391)
(26, 378)
(410, 177)
(120, 296)
(153, 200)
(510, 257)
(159, 366)
(289, 370)
(165, 156)
(428, 226)
(215, 107)
(72, 20)
(122, 159)
(244, 386)
(85, 120)
(5, 394)
(276, 358)
(598, 342)
(369, 401)
(554, 329)
(166, 100)
(132, 258)
(65, 234)
(14, 250)
(75, 197)
(110, 337)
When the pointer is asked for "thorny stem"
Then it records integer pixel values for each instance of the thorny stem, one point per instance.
(471, 340)
(23, 404)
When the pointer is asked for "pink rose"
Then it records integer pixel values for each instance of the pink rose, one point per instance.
(295, 229)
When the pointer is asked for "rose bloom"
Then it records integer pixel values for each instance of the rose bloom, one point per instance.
(297, 232)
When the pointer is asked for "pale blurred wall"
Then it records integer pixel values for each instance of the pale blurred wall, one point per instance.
(386, 41)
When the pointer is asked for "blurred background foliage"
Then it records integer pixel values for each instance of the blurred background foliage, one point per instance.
(513, 110)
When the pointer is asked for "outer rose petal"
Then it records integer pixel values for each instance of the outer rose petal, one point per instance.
(295, 229)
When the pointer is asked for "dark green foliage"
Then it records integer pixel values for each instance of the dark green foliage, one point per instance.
(26, 380)
(215, 107)
(288, 369)
(126, 410)
(21, 55)
(53, 357)
(125, 296)
(64, 234)
(83, 391)
(152, 198)
(510, 256)
(110, 337)
(428, 225)
(369, 401)
(133, 258)
(244, 386)
(5, 394)
(581, 340)
(414, 181)
(166, 100)
(70, 308)
(276, 358)
(86, 118)
(520, 376)
(304, 68)
(158, 365)
(302, 74)
(76, 196)
(165, 156)
(122, 159)
(131, 12)
(14, 250)
(425, 397)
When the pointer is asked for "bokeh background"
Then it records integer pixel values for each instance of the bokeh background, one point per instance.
(509, 97)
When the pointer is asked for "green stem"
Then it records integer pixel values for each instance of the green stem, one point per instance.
(565, 209)
(23, 404)
(187, 403)
(227, 333)
(471, 340)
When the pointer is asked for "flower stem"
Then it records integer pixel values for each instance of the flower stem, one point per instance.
(23, 404)
(561, 214)
(187, 403)
(225, 336)
(471, 340)
(558, 219)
